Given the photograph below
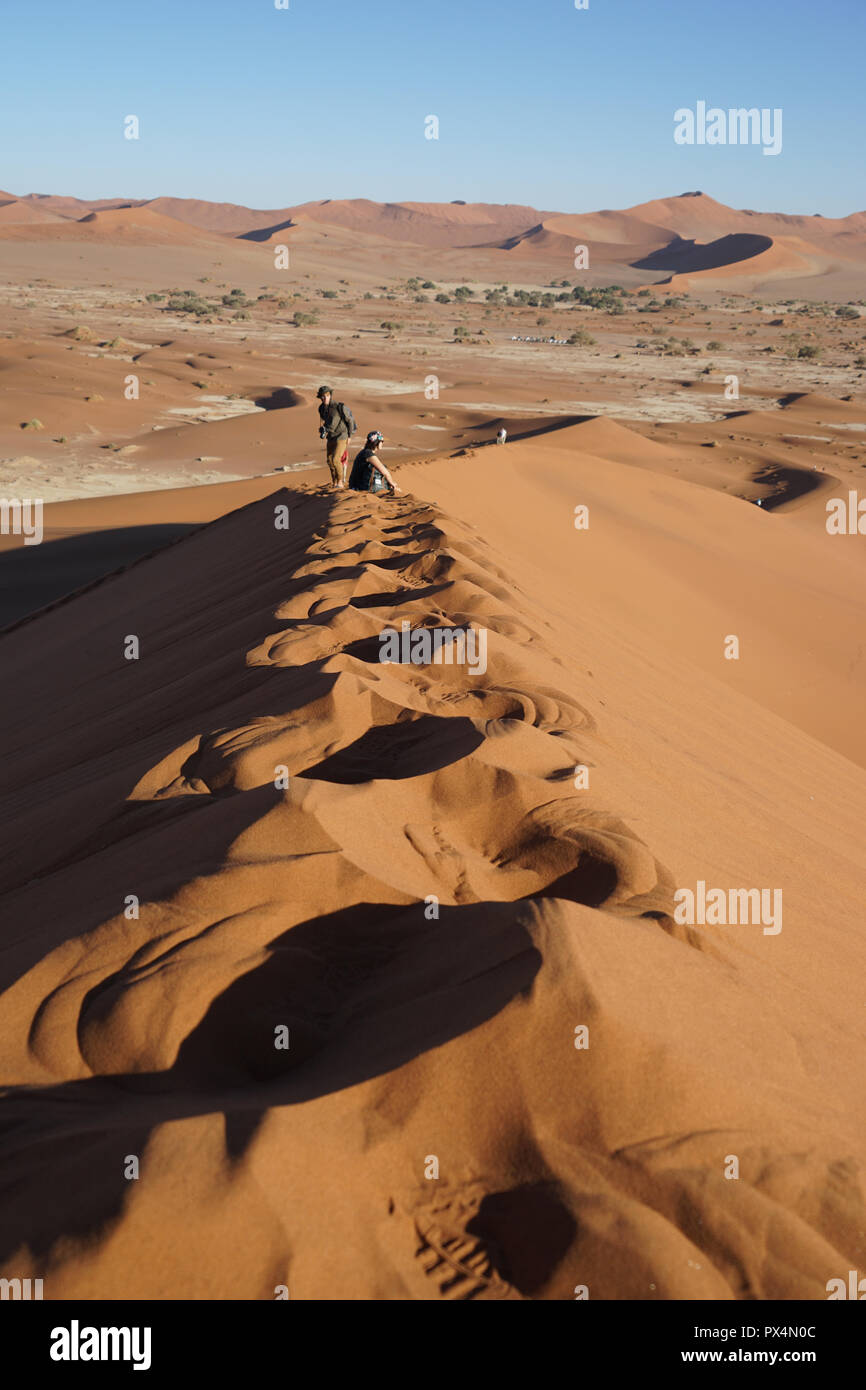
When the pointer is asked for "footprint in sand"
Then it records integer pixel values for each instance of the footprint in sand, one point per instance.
(456, 1263)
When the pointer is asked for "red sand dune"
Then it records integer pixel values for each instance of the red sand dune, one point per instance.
(686, 257)
(228, 218)
(17, 211)
(424, 224)
(126, 226)
(746, 257)
(610, 237)
(258, 825)
(810, 246)
(698, 215)
(76, 208)
(453, 1036)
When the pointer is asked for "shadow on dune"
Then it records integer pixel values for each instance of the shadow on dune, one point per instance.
(789, 483)
(681, 256)
(264, 233)
(527, 1231)
(543, 427)
(248, 690)
(282, 398)
(395, 751)
(363, 991)
(35, 576)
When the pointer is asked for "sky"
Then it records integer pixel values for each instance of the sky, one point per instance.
(537, 102)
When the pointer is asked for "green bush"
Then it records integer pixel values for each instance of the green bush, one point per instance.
(605, 297)
(188, 302)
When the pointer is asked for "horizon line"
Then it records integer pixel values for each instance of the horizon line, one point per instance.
(451, 202)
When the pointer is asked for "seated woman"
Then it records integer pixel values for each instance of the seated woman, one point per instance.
(369, 473)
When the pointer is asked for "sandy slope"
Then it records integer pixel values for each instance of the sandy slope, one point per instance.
(698, 215)
(752, 261)
(17, 210)
(134, 226)
(411, 1037)
(66, 206)
(416, 1037)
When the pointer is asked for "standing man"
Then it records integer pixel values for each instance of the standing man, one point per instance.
(338, 425)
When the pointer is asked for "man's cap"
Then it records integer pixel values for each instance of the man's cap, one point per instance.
(323, 391)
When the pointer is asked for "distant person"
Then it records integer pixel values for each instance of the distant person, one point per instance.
(369, 473)
(337, 427)
(502, 435)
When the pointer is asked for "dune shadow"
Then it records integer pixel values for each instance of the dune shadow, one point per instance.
(591, 882)
(361, 992)
(543, 427)
(396, 751)
(527, 1230)
(281, 398)
(34, 577)
(264, 233)
(682, 256)
(788, 483)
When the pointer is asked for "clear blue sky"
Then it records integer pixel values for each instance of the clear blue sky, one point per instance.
(538, 102)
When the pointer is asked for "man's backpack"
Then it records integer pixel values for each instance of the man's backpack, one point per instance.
(348, 419)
